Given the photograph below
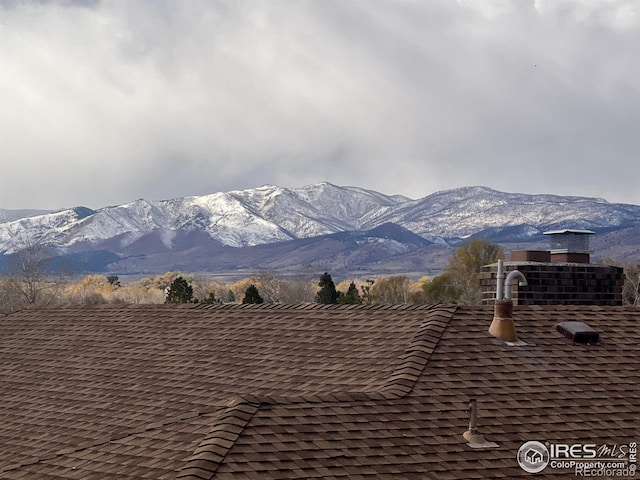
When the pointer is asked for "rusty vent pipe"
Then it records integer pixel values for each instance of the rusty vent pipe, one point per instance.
(503, 326)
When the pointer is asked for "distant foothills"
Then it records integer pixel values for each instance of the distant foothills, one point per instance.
(322, 227)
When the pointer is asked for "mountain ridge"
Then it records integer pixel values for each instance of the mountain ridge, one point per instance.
(245, 219)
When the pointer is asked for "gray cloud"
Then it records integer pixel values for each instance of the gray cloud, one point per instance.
(105, 102)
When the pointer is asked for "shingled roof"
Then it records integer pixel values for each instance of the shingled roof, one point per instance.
(304, 391)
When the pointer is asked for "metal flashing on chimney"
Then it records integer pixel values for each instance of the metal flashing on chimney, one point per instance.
(578, 332)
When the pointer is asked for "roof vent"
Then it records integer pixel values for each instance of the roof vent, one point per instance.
(502, 326)
(472, 436)
(578, 332)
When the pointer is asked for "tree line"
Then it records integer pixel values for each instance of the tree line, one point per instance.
(28, 284)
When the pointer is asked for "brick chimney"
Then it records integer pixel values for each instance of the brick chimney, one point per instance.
(559, 276)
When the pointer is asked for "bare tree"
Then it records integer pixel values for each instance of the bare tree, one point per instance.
(270, 286)
(464, 268)
(631, 289)
(631, 286)
(298, 291)
(394, 290)
(460, 283)
(10, 298)
(28, 274)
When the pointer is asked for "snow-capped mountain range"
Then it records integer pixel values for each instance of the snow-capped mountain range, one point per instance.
(271, 214)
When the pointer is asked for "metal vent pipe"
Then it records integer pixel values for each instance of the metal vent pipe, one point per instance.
(509, 281)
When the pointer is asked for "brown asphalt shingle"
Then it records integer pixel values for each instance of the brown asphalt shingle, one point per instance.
(304, 391)
(77, 380)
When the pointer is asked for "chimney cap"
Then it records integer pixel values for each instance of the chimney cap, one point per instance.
(569, 241)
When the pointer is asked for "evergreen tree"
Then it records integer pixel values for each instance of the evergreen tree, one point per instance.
(327, 292)
(180, 291)
(251, 295)
(211, 299)
(352, 297)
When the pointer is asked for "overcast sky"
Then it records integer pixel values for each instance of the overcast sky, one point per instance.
(104, 102)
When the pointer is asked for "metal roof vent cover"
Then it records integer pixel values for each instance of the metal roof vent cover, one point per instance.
(578, 332)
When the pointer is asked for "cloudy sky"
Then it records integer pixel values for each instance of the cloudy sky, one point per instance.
(104, 102)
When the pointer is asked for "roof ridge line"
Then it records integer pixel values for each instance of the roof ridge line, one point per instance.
(311, 306)
(412, 363)
(419, 351)
(211, 451)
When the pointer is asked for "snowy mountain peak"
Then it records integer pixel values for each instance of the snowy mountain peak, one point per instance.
(269, 214)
